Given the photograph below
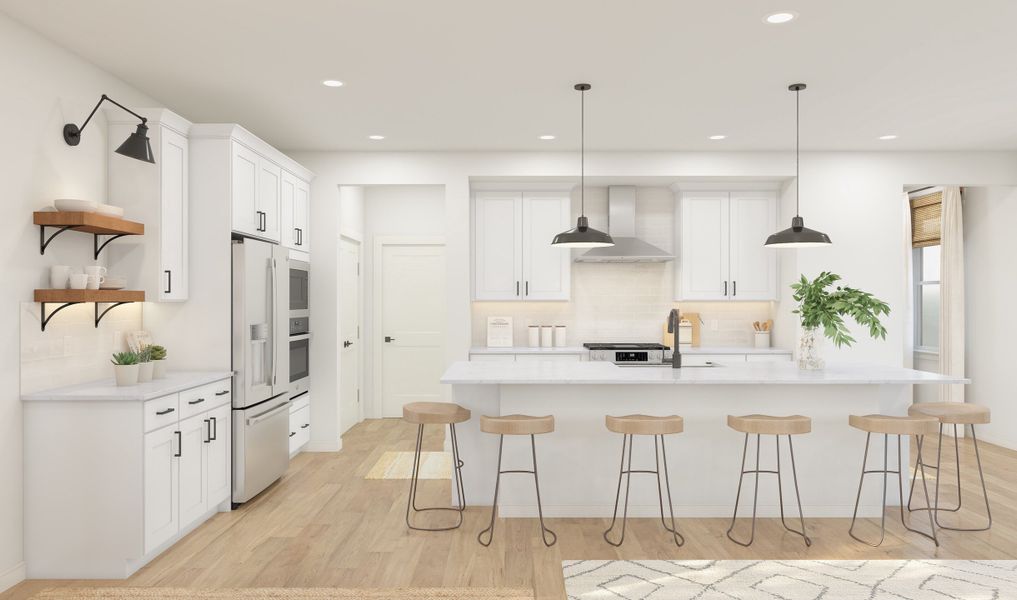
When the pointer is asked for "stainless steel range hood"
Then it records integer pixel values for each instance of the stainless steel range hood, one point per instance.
(621, 215)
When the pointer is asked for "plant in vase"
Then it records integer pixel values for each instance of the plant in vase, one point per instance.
(125, 368)
(145, 365)
(820, 307)
(159, 360)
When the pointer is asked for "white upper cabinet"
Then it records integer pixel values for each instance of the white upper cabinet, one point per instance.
(498, 246)
(723, 256)
(547, 271)
(156, 195)
(269, 185)
(256, 194)
(295, 212)
(513, 256)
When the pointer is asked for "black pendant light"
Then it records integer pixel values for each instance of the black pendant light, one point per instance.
(582, 236)
(798, 235)
(137, 145)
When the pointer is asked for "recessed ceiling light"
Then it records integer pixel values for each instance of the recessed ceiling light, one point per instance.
(888, 137)
(547, 137)
(332, 83)
(375, 137)
(718, 137)
(780, 17)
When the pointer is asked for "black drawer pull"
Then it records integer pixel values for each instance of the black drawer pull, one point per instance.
(198, 401)
(222, 393)
(180, 445)
(293, 433)
(305, 425)
(164, 412)
(208, 425)
(215, 429)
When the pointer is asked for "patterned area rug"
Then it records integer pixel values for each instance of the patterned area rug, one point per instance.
(135, 593)
(790, 580)
(399, 465)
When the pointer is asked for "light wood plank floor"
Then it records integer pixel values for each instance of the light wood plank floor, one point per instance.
(324, 525)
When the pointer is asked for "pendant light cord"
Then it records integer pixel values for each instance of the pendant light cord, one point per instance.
(797, 159)
(582, 152)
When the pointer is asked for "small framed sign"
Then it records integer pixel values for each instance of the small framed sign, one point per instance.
(499, 332)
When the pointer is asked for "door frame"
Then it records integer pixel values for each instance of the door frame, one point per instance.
(359, 243)
(377, 286)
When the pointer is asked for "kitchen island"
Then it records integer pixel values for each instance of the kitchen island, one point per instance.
(578, 462)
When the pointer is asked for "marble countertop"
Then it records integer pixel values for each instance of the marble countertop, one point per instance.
(587, 373)
(581, 350)
(106, 390)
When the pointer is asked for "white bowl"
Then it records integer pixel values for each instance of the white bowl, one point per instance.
(114, 283)
(72, 205)
(109, 209)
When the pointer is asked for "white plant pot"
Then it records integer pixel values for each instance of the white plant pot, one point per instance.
(126, 374)
(145, 372)
(159, 370)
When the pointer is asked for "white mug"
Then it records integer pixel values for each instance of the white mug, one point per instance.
(94, 281)
(58, 277)
(95, 270)
(79, 281)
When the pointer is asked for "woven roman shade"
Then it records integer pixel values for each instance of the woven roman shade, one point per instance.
(926, 219)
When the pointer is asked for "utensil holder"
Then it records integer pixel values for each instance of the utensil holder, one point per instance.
(762, 339)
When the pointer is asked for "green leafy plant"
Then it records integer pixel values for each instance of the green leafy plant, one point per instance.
(125, 358)
(145, 354)
(158, 352)
(818, 306)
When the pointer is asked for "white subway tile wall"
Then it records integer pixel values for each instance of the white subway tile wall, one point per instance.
(72, 350)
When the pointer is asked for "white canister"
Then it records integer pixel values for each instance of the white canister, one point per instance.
(559, 336)
(546, 336)
(533, 336)
(762, 339)
(58, 277)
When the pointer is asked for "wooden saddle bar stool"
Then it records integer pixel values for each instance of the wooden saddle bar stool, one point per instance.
(436, 413)
(517, 425)
(887, 425)
(658, 427)
(760, 425)
(953, 413)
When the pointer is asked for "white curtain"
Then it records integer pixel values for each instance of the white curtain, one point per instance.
(951, 289)
(909, 288)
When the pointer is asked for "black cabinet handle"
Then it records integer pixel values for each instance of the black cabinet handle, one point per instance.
(300, 236)
(527, 288)
(215, 429)
(293, 433)
(305, 425)
(389, 339)
(208, 425)
(725, 288)
(169, 281)
(517, 288)
(198, 401)
(734, 288)
(180, 445)
(165, 412)
(222, 393)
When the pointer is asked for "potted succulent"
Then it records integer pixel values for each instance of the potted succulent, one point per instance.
(820, 307)
(159, 360)
(145, 366)
(125, 367)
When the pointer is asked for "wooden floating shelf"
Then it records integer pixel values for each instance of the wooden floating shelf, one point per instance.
(100, 296)
(87, 222)
(67, 298)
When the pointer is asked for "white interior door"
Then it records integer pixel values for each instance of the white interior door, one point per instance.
(410, 293)
(351, 410)
(753, 265)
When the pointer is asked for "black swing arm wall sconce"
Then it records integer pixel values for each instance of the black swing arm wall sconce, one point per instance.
(137, 145)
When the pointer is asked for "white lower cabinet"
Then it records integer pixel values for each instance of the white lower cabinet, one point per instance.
(161, 486)
(300, 423)
(193, 460)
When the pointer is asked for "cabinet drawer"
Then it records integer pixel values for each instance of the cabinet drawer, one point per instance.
(161, 412)
(200, 399)
(301, 401)
(300, 428)
(691, 360)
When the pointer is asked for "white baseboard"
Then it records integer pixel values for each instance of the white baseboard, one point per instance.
(322, 446)
(12, 577)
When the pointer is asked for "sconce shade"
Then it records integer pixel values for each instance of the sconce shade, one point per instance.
(138, 145)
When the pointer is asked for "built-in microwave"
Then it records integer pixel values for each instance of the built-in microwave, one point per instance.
(300, 290)
(300, 355)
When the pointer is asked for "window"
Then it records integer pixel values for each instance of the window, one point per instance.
(925, 261)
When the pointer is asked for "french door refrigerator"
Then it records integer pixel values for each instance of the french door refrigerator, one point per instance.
(260, 366)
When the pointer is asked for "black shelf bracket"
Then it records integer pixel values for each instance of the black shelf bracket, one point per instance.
(100, 315)
(43, 242)
(46, 319)
(98, 247)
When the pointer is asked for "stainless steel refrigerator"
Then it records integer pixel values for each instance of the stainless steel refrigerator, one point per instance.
(260, 365)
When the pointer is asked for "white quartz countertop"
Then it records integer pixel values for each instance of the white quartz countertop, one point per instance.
(106, 390)
(734, 350)
(586, 373)
(528, 350)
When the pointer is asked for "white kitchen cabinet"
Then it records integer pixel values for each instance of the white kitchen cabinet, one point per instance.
(300, 423)
(156, 195)
(219, 456)
(192, 463)
(295, 212)
(548, 358)
(269, 183)
(244, 197)
(723, 256)
(492, 358)
(513, 256)
(161, 477)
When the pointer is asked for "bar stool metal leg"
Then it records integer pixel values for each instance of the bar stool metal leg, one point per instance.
(626, 472)
(755, 498)
(622, 471)
(544, 531)
(494, 505)
(411, 502)
(679, 539)
(540, 509)
(981, 476)
(798, 496)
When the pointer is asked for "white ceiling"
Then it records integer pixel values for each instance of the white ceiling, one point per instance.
(481, 75)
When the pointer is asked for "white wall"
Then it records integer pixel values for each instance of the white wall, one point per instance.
(989, 217)
(45, 87)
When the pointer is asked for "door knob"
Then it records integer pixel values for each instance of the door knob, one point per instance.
(347, 343)
(389, 339)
